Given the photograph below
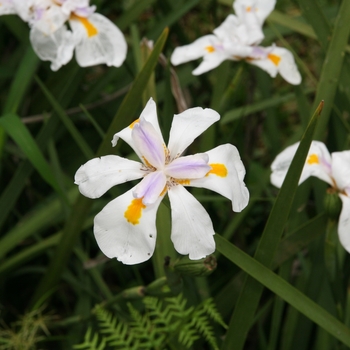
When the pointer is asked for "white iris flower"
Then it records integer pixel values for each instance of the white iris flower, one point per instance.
(94, 37)
(125, 228)
(237, 38)
(332, 168)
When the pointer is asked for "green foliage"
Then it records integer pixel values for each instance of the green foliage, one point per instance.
(26, 333)
(162, 325)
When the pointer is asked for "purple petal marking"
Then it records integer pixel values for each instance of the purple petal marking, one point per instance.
(149, 144)
(189, 167)
(151, 187)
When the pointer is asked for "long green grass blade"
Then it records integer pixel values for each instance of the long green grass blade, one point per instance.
(250, 295)
(283, 289)
(20, 134)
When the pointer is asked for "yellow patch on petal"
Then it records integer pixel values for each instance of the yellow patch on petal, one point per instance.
(133, 123)
(134, 211)
(248, 8)
(210, 48)
(218, 170)
(274, 58)
(313, 159)
(183, 181)
(89, 27)
(164, 191)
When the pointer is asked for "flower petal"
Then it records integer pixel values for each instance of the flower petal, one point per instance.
(101, 41)
(98, 175)
(192, 230)
(260, 8)
(344, 223)
(189, 167)
(211, 61)
(279, 60)
(226, 176)
(149, 113)
(7, 7)
(195, 50)
(57, 47)
(125, 229)
(151, 187)
(187, 125)
(318, 163)
(341, 170)
(148, 144)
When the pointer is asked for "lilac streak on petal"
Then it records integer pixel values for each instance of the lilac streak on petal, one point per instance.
(151, 187)
(149, 144)
(189, 167)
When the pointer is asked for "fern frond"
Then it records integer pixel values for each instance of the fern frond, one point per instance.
(210, 308)
(91, 342)
(200, 322)
(187, 335)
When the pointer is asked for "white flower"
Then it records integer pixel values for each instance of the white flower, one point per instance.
(94, 37)
(125, 228)
(237, 39)
(332, 168)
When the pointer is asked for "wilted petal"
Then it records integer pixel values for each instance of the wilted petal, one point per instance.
(189, 167)
(101, 41)
(151, 187)
(187, 126)
(125, 229)
(344, 223)
(341, 170)
(148, 143)
(318, 163)
(192, 230)
(57, 48)
(226, 176)
(98, 175)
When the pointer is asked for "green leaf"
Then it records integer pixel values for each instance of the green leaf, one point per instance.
(20, 134)
(250, 294)
(283, 289)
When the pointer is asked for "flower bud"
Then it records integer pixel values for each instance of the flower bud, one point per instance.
(332, 204)
(201, 267)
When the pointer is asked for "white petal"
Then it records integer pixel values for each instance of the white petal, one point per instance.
(193, 51)
(344, 223)
(226, 177)
(211, 61)
(98, 175)
(7, 7)
(192, 230)
(149, 113)
(261, 8)
(57, 47)
(341, 170)
(279, 60)
(187, 126)
(148, 144)
(129, 242)
(151, 187)
(189, 167)
(101, 41)
(227, 29)
(48, 19)
(318, 163)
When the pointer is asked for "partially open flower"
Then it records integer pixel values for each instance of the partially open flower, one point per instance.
(332, 168)
(125, 228)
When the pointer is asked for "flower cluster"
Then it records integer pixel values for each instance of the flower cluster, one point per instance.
(125, 228)
(238, 38)
(332, 168)
(94, 37)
